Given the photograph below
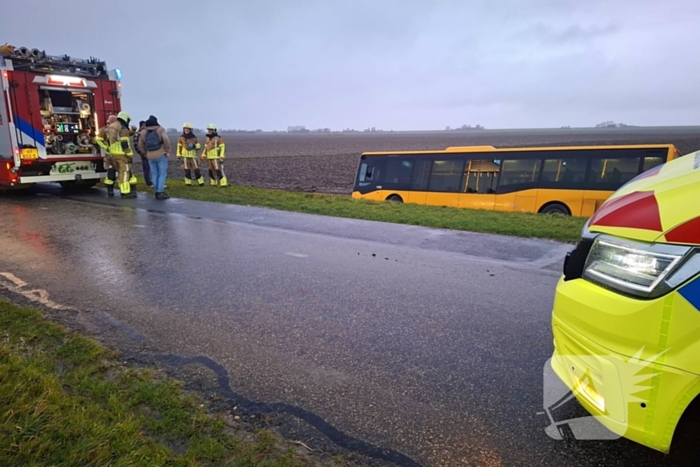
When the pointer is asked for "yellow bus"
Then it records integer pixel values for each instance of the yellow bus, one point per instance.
(566, 180)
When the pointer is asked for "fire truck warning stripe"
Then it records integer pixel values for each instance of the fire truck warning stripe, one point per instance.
(36, 135)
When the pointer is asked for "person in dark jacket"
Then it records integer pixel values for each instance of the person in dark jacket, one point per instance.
(144, 160)
(154, 142)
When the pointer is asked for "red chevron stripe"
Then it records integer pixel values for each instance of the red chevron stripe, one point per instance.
(687, 232)
(638, 210)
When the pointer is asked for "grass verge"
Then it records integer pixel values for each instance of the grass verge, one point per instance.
(66, 400)
(553, 227)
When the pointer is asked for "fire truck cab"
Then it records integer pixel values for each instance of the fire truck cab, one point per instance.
(51, 110)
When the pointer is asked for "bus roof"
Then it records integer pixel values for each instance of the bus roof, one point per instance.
(465, 149)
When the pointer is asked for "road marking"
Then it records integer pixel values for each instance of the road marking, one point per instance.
(17, 285)
(297, 255)
(14, 279)
(140, 226)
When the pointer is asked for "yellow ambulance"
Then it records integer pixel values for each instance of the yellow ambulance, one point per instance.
(626, 312)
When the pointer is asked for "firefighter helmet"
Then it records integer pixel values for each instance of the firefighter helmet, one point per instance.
(124, 116)
(188, 125)
(211, 126)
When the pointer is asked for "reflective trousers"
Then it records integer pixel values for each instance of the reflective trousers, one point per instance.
(190, 165)
(216, 172)
(111, 173)
(122, 165)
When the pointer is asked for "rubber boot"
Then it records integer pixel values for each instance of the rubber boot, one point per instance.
(125, 188)
(188, 182)
(223, 181)
(110, 181)
(198, 176)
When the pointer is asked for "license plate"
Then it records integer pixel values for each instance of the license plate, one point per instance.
(73, 167)
(28, 153)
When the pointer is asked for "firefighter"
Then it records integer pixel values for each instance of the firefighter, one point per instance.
(214, 152)
(101, 141)
(119, 139)
(187, 147)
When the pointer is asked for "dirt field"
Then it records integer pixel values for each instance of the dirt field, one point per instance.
(327, 162)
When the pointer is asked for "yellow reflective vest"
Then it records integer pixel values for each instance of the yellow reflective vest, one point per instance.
(183, 146)
(214, 148)
(119, 139)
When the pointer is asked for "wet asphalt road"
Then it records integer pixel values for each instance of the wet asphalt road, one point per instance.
(420, 346)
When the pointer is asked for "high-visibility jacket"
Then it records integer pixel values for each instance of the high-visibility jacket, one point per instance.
(214, 148)
(119, 139)
(184, 149)
(101, 139)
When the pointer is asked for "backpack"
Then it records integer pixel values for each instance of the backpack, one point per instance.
(153, 141)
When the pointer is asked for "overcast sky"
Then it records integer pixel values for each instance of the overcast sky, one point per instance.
(402, 65)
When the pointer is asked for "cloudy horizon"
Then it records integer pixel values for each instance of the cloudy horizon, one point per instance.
(393, 65)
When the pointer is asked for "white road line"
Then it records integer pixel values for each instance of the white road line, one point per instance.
(14, 279)
(297, 255)
(36, 295)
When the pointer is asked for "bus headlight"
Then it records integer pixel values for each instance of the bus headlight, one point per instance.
(641, 269)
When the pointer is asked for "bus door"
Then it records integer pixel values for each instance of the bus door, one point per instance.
(419, 181)
(479, 190)
(446, 178)
(517, 184)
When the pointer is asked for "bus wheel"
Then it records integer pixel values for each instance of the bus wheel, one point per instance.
(556, 208)
(395, 198)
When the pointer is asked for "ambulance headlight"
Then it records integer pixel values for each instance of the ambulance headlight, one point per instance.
(641, 269)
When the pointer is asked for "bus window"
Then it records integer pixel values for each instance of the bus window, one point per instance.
(564, 171)
(651, 161)
(487, 181)
(472, 182)
(519, 172)
(398, 173)
(363, 172)
(421, 175)
(370, 173)
(481, 176)
(613, 172)
(446, 175)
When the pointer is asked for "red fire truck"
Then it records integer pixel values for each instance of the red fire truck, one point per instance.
(51, 109)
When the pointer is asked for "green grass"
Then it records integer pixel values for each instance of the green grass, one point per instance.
(66, 400)
(554, 227)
